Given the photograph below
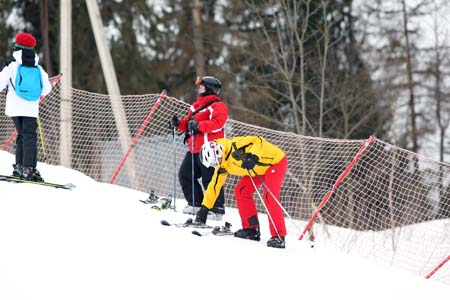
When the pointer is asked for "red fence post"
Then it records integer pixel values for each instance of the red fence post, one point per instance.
(138, 135)
(438, 267)
(336, 184)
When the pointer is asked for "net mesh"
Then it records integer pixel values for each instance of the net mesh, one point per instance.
(392, 207)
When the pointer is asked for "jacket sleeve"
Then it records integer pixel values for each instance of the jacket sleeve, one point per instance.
(214, 187)
(219, 116)
(5, 75)
(184, 122)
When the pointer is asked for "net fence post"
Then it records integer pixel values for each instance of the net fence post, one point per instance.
(136, 138)
(336, 184)
(428, 276)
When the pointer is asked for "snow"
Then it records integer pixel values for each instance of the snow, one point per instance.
(99, 242)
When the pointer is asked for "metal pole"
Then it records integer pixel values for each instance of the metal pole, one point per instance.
(192, 170)
(41, 135)
(273, 196)
(174, 170)
(260, 198)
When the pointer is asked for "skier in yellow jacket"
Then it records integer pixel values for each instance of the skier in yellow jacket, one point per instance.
(242, 156)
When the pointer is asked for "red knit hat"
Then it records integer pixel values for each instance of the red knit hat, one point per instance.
(25, 40)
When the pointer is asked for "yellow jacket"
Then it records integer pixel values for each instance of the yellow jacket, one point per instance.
(233, 149)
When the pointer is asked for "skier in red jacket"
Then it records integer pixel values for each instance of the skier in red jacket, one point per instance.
(205, 121)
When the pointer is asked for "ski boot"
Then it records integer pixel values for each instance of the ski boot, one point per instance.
(17, 170)
(248, 233)
(31, 174)
(191, 210)
(216, 214)
(276, 242)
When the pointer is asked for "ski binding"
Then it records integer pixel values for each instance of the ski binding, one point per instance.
(158, 202)
(217, 230)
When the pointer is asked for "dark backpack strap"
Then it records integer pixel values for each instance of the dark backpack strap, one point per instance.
(186, 134)
(239, 154)
(28, 57)
(203, 107)
(12, 84)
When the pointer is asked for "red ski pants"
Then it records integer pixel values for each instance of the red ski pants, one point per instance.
(244, 190)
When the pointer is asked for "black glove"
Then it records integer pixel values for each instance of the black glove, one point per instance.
(193, 127)
(174, 121)
(202, 215)
(249, 161)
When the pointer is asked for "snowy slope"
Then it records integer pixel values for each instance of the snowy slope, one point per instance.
(99, 242)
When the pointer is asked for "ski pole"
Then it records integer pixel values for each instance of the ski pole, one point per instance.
(174, 170)
(41, 135)
(192, 170)
(272, 194)
(262, 201)
(276, 200)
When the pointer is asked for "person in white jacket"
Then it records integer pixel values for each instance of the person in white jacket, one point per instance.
(23, 112)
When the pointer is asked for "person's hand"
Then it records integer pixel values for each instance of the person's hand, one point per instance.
(174, 121)
(249, 161)
(193, 127)
(202, 215)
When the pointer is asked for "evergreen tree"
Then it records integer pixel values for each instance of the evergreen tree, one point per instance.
(7, 34)
(136, 45)
(289, 65)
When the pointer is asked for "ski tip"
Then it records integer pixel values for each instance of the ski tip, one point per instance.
(197, 233)
(70, 186)
(165, 223)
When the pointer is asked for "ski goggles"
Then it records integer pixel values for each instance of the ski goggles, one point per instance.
(199, 80)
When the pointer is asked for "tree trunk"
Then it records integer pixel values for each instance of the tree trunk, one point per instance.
(410, 80)
(198, 38)
(45, 40)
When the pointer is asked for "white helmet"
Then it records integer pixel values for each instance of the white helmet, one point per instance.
(210, 154)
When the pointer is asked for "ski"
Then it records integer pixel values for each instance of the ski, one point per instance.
(217, 230)
(68, 186)
(189, 223)
(158, 202)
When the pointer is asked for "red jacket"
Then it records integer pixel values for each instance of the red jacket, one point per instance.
(211, 121)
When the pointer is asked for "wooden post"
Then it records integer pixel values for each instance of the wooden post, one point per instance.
(66, 83)
(112, 86)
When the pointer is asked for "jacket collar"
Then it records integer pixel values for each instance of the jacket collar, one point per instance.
(18, 57)
(205, 99)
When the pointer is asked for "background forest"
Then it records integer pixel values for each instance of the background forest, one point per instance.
(328, 68)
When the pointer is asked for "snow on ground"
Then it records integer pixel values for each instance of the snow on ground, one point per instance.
(99, 242)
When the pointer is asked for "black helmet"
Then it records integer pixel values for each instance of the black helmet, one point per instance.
(211, 84)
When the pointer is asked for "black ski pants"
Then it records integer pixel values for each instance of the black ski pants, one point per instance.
(185, 178)
(26, 141)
